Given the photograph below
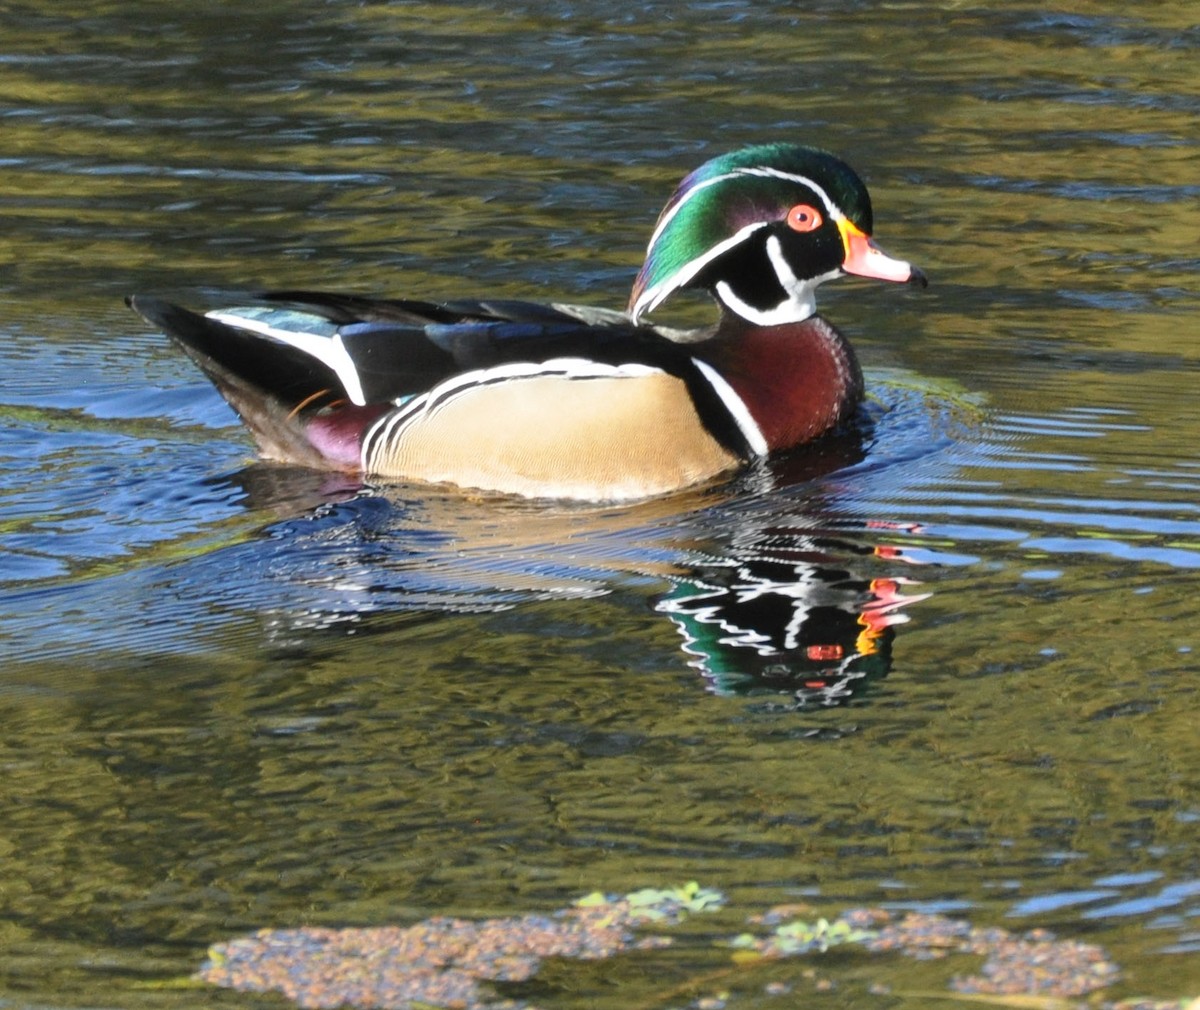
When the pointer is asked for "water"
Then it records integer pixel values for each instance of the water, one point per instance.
(949, 663)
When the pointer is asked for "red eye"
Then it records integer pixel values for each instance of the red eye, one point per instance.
(803, 217)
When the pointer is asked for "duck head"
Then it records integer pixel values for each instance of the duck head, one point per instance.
(760, 229)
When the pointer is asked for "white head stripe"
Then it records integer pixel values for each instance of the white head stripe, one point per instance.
(804, 180)
(762, 172)
(654, 294)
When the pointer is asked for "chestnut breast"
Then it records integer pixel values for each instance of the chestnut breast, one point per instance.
(798, 380)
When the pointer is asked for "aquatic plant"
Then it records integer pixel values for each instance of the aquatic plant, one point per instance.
(653, 904)
(800, 937)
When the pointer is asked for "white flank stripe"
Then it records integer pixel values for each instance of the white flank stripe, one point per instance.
(391, 426)
(566, 368)
(380, 432)
(736, 407)
(330, 351)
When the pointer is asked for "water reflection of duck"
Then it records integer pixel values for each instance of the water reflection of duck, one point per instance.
(565, 401)
(773, 590)
(792, 616)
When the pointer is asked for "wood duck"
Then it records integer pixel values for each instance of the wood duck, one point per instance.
(563, 401)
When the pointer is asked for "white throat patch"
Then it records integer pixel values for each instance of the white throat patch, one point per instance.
(801, 300)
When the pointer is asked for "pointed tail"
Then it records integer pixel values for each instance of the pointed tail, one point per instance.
(264, 380)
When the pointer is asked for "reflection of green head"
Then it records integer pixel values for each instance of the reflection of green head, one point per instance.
(753, 642)
(729, 199)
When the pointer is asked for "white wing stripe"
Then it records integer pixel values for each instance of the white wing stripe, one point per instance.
(330, 351)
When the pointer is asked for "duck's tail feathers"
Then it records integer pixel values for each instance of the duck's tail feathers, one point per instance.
(265, 381)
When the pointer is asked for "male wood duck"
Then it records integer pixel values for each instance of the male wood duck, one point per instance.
(563, 401)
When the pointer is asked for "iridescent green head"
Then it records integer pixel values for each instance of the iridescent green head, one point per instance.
(760, 228)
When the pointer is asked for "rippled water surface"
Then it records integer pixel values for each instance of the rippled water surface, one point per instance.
(948, 661)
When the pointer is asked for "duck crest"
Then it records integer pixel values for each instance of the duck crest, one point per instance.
(739, 196)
